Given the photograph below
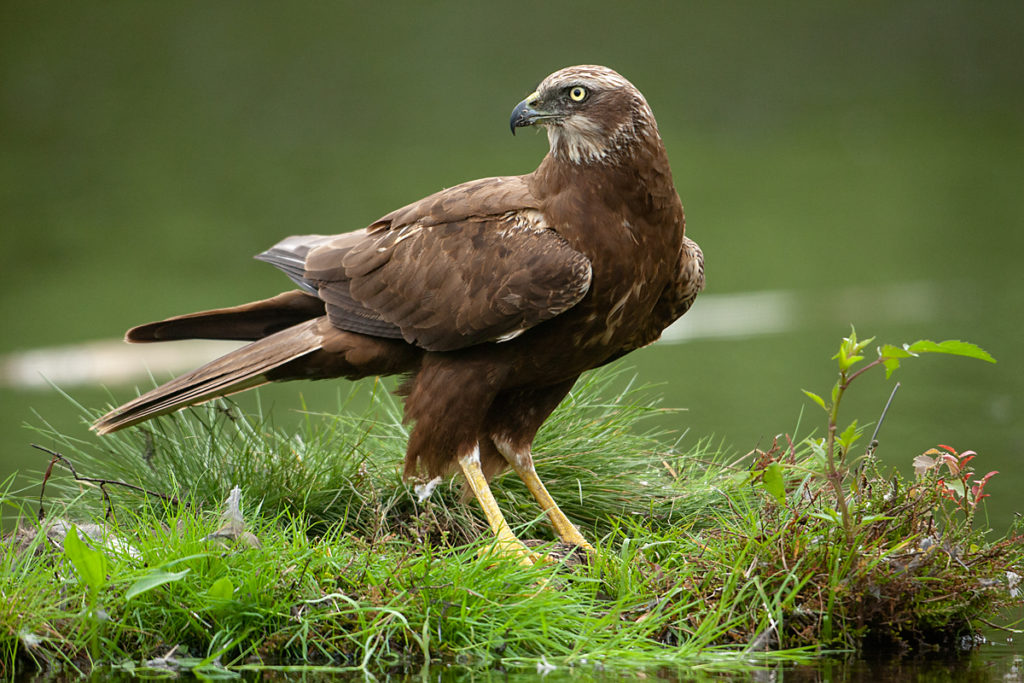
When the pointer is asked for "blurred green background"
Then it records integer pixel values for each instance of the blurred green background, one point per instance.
(864, 159)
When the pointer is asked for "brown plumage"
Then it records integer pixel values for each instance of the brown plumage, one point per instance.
(492, 297)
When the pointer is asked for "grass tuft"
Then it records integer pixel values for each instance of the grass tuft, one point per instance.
(331, 562)
(596, 456)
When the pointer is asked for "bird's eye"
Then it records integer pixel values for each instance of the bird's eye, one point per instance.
(578, 93)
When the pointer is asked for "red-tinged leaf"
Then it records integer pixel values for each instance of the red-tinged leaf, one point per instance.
(977, 491)
(955, 487)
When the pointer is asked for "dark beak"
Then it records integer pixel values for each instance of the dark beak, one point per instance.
(524, 114)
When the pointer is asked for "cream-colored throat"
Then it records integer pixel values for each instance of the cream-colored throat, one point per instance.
(579, 139)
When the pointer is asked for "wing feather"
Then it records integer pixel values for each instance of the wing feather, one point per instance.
(472, 264)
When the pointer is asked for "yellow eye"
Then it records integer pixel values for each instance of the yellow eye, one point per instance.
(578, 93)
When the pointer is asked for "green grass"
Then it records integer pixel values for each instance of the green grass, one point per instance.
(701, 563)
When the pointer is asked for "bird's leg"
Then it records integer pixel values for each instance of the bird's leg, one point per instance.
(522, 463)
(508, 544)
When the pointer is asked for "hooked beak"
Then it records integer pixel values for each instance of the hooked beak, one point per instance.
(526, 113)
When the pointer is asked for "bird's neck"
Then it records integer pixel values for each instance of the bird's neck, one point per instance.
(638, 176)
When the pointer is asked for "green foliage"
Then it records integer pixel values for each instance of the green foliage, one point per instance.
(91, 564)
(220, 590)
(890, 355)
(837, 444)
(345, 467)
(153, 579)
(332, 561)
(773, 482)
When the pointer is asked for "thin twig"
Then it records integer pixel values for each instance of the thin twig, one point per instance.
(56, 457)
(874, 437)
(997, 626)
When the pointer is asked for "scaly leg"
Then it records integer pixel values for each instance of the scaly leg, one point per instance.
(522, 463)
(508, 544)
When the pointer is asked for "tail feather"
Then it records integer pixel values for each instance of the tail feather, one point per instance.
(241, 369)
(247, 322)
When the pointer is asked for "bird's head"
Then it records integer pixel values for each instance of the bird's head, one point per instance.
(591, 113)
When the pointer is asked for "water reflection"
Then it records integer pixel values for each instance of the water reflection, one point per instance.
(749, 314)
(987, 666)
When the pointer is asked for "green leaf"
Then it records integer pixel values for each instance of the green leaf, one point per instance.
(827, 514)
(221, 589)
(951, 346)
(90, 564)
(849, 436)
(893, 351)
(817, 399)
(890, 356)
(773, 483)
(849, 351)
(860, 346)
(871, 519)
(741, 478)
(817, 446)
(843, 357)
(157, 577)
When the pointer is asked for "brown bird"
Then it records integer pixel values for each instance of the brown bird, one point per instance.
(491, 297)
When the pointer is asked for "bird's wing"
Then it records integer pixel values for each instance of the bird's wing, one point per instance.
(688, 283)
(471, 264)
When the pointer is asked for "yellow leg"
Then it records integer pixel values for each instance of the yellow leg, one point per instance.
(522, 463)
(508, 544)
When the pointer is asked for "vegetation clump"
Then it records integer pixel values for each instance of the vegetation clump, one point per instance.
(323, 557)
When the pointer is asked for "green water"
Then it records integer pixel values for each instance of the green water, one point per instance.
(842, 154)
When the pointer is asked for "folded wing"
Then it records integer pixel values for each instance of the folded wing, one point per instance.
(476, 263)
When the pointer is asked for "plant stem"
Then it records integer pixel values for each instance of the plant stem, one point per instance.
(835, 476)
(836, 472)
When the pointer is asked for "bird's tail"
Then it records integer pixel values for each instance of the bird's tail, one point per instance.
(240, 369)
(247, 322)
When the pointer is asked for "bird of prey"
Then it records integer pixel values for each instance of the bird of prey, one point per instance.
(490, 297)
